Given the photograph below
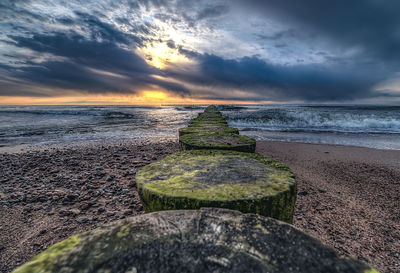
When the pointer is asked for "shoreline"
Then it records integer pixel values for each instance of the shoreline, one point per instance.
(47, 147)
(393, 155)
(346, 195)
(40, 147)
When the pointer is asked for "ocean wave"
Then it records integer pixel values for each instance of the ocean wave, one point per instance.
(357, 107)
(189, 108)
(312, 120)
(230, 107)
(84, 113)
(52, 112)
(118, 115)
(43, 124)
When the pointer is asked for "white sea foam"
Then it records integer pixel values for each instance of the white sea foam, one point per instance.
(319, 119)
(369, 126)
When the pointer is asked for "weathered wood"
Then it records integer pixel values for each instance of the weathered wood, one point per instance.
(206, 129)
(206, 240)
(246, 182)
(211, 108)
(217, 140)
(206, 122)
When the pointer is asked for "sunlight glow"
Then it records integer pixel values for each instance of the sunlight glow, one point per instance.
(154, 95)
(162, 50)
(150, 98)
(160, 55)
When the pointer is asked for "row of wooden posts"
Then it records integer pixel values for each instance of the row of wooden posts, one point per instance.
(251, 183)
(206, 213)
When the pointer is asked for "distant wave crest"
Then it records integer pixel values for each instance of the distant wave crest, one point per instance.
(314, 120)
(189, 107)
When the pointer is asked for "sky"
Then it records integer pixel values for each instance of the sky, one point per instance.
(188, 52)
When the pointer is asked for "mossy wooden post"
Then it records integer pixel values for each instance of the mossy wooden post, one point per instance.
(210, 117)
(217, 140)
(206, 129)
(206, 240)
(246, 182)
(210, 109)
(208, 122)
(209, 130)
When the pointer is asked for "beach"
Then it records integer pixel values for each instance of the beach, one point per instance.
(286, 112)
(49, 195)
(348, 197)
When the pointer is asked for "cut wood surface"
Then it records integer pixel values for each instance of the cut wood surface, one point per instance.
(217, 140)
(206, 240)
(246, 182)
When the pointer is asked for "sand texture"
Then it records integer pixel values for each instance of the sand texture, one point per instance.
(348, 197)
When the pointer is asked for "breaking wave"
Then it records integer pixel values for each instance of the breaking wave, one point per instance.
(319, 119)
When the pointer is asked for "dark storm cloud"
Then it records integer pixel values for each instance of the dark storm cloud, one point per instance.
(80, 55)
(92, 51)
(212, 11)
(370, 28)
(191, 12)
(100, 30)
(97, 64)
(171, 44)
(370, 25)
(9, 9)
(310, 82)
(11, 87)
(85, 65)
(291, 33)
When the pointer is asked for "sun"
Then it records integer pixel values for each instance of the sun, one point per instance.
(159, 54)
(154, 95)
(163, 49)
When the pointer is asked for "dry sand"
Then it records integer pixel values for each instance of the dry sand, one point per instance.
(348, 197)
(46, 196)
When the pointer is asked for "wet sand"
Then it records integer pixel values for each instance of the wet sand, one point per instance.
(348, 197)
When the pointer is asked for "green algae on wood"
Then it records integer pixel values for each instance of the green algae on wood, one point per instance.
(217, 140)
(202, 129)
(205, 240)
(211, 108)
(208, 122)
(216, 113)
(193, 179)
(44, 262)
(207, 125)
(222, 121)
(209, 116)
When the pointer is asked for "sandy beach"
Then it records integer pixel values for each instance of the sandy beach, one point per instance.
(348, 197)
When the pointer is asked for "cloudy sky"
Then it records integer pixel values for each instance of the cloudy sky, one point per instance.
(183, 51)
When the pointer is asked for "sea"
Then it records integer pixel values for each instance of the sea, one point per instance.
(352, 125)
